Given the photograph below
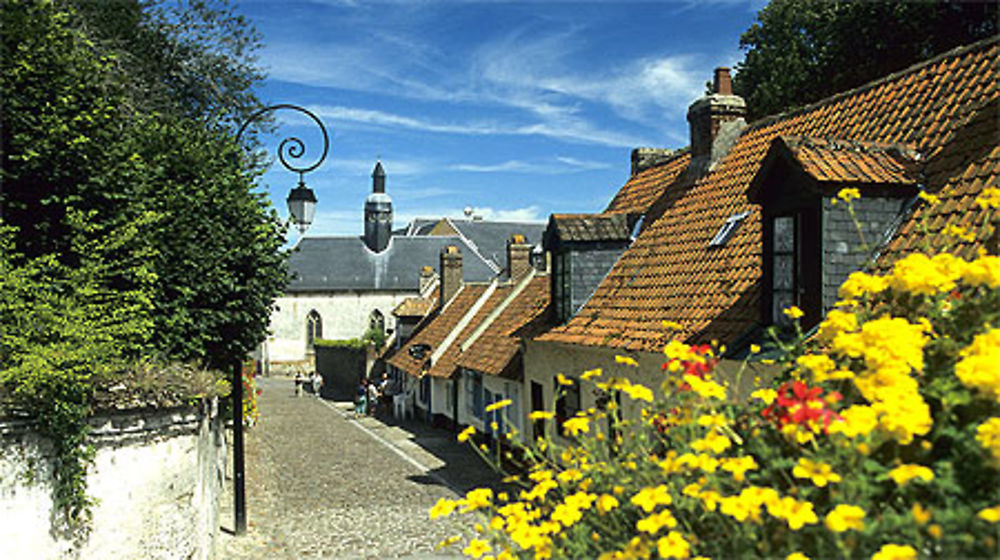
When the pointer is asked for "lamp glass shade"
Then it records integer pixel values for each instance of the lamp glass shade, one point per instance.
(302, 206)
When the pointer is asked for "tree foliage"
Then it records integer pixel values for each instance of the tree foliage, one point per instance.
(800, 51)
(122, 110)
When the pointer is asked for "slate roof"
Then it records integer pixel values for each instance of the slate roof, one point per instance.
(346, 263)
(590, 227)
(490, 237)
(947, 108)
(494, 350)
(643, 188)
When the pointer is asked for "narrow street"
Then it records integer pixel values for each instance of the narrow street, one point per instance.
(322, 484)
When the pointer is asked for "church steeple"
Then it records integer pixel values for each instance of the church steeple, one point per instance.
(378, 213)
(378, 178)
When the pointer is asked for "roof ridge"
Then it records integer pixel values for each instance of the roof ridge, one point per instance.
(912, 69)
(494, 313)
(475, 248)
(467, 318)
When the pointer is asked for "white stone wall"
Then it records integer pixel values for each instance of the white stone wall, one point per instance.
(345, 315)
(157, 478)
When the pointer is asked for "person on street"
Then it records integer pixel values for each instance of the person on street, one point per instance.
(317, 383)
(372, 398)
(298, 383)
(360, 399)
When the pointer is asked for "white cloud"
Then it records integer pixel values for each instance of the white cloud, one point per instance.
(559, 165)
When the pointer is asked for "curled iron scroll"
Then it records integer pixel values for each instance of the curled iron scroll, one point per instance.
(292, 147)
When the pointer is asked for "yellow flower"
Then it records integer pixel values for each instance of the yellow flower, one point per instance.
(467, 433)
(989, 198)
(819, 364)
(712, 420)
(448, 542)
(797, 514)
(657, 521)
(650, 497)
(895, 552)
(577, 424)
(920, 514)
(819, 473)
(563, 380)
(739, 466)
(796, 556)
(979, 366)
(705, 388)
(922, 275)
(713, 441)
(848, 194)
(592, 373)
(569, 475)
(673, 546)
(984, 271)
(857, 420)
(443, 508)
(905, 473)
(626, 360)
(959, 232)
(845, 517)
(991, 514)
(672, 325)
(766, 395)
(477, 498)
(793, 313)
(476, 548)
(638, 392)
(988, 435)
(606, 503)
(754, 348)
(499, 404)
(541, 415)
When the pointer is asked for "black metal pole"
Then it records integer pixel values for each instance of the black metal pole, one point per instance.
(239, 489)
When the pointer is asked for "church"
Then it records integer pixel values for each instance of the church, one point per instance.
(339, 287)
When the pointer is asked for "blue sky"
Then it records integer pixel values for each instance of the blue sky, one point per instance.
(516, 109)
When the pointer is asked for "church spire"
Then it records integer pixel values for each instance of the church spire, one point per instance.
(378, 178)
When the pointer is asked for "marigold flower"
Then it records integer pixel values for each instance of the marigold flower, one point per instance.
(990, 515)
(920, 514)
(754, 348)
(738, 466)
(653, 523)
(895, 552)
(989, 198)
(905, 473)
(988, 435)
(979, 366)
(930, 199)
(796, 556)
(984, 271)
(713, 441)
(443, 508)
(499, 404)
(591, 373)
(477, 498)
(797, 514)
(541, 415)
(848, 194)
(467, 433)
(650, 497)
(626, 360)
(672, 325)
(476, 548)
(819, 473)
(577, 424)
(563, 380)
(708, 389)
(606, 503)
(448, 542)
(766, 395)
(673, 546)
(793, 313)
(845, 517)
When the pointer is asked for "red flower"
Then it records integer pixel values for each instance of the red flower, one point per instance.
(799, 404)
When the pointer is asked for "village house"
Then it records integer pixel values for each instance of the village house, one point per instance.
(745, 223)
(342, 287)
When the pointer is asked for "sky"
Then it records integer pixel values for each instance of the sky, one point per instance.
(515, 109)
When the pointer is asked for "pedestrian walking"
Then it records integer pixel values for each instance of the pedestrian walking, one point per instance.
(360, 399)
(317, 383)
(372, 398)
(298, 383)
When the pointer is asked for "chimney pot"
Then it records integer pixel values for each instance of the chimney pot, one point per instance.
(723, 83)
(518, 256)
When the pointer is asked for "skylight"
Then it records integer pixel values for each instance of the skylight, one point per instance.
(727, 229)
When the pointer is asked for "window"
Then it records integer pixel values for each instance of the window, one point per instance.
(568, 403)
(728, 229)
(513, 412)
(376, 321)
(474, 393)
(425, 390)
(314, 329)
(561, 289)
(784, 273)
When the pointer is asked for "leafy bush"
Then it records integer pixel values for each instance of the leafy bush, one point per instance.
(352, 343)
(880, 438)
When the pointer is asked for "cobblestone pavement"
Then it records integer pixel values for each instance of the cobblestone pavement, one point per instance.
(321, 484)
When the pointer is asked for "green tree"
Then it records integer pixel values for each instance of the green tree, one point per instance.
(800, 51)
(89, 127)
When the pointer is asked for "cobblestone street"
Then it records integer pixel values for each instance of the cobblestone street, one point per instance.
(321, 484)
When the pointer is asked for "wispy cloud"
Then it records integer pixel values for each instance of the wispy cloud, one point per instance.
(558, 165)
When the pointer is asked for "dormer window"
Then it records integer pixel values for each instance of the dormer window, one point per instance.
(728, 229)
(810, 241)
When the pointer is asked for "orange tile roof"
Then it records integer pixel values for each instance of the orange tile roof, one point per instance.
(830, 160)
(947, 108)
(590, 227)
(415, 306)
(643, 188)
(436, 330)
(495, 350)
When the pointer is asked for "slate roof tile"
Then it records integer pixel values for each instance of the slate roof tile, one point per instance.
(670, 273)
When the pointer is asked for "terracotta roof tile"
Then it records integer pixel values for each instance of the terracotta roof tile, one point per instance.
(643, 188)
(590, 227)
(670, 273)
(415, 306)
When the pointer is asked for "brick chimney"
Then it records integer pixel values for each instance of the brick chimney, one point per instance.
(518, 256)
(709, 116)
(450, 273)
(644, 158)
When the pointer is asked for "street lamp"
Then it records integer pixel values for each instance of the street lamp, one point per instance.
(301, 199)
(302, 208)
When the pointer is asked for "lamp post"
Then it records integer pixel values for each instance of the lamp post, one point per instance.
(301, 208)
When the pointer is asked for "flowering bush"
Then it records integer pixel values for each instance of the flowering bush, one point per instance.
(880, 438)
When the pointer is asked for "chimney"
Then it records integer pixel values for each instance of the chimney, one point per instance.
(450, 274)
(518, 256)
(427, 276)
(708, 115)
(644, 158)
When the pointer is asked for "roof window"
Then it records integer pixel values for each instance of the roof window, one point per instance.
(727, 229)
